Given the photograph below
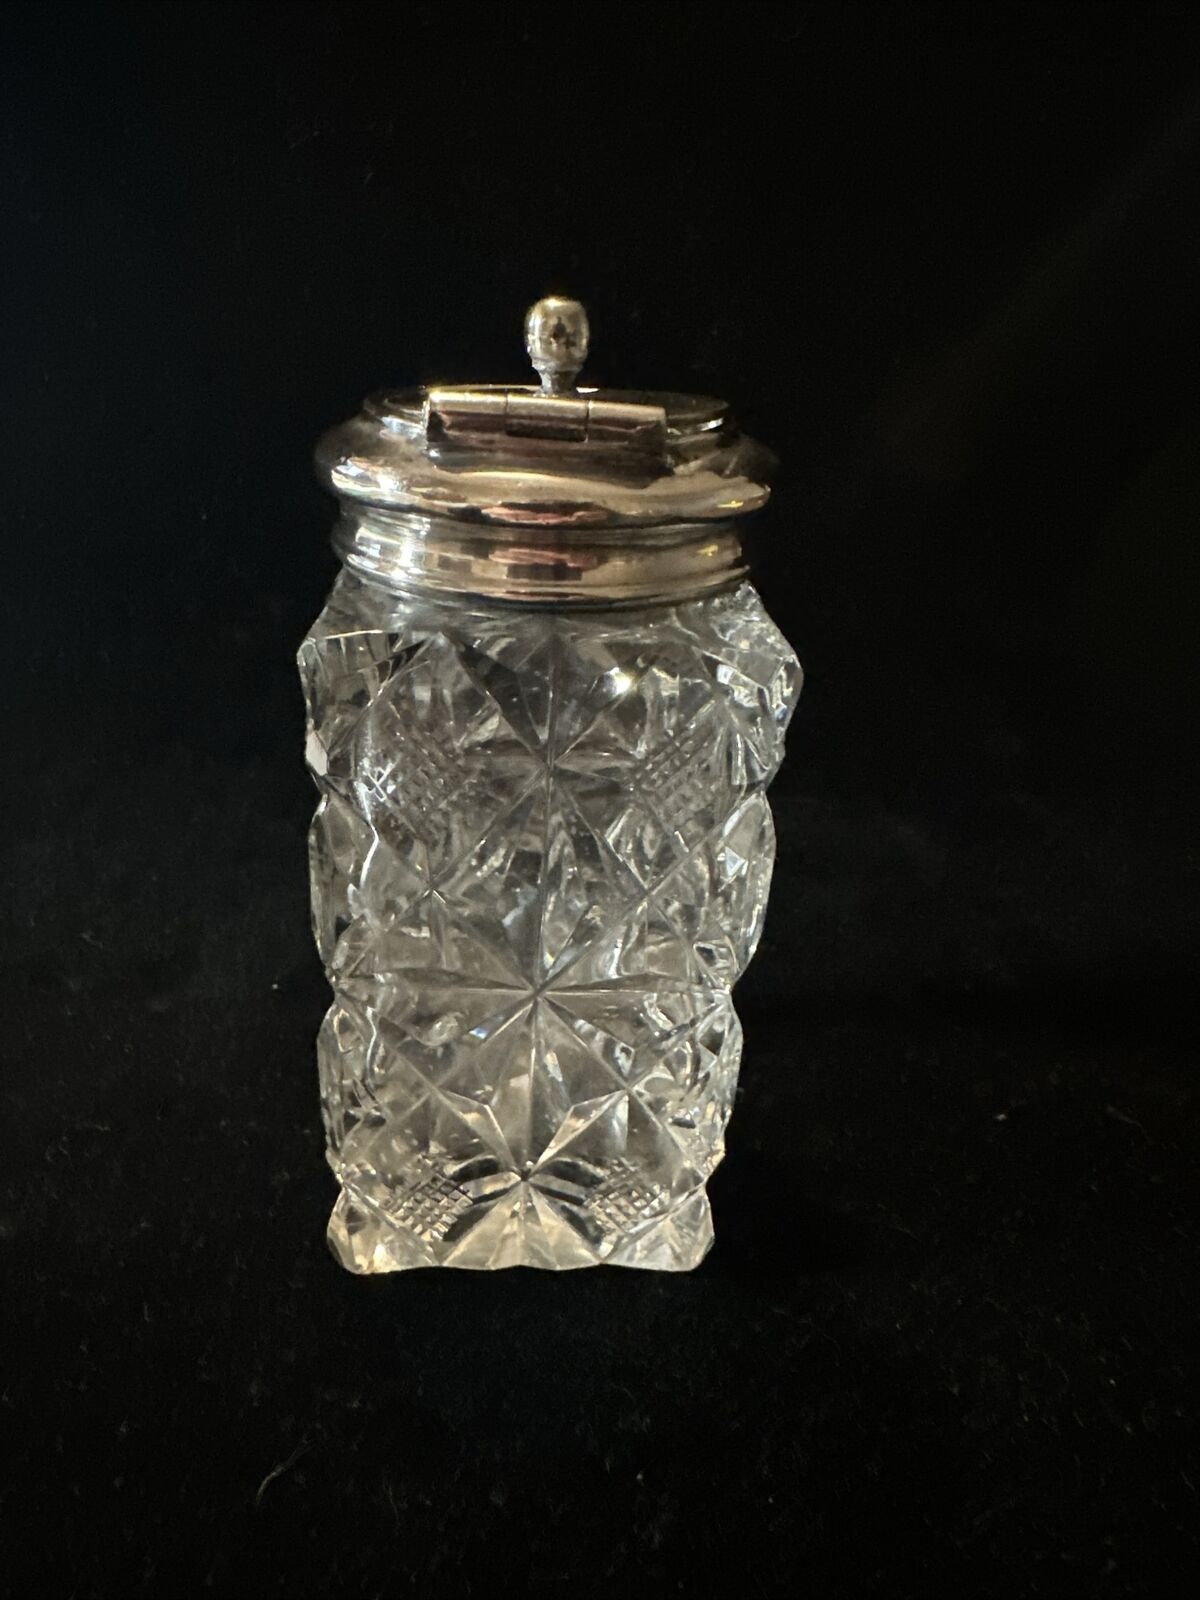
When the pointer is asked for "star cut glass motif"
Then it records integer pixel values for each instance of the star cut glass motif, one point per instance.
(539, 863)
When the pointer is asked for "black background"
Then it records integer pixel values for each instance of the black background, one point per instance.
(945, 261)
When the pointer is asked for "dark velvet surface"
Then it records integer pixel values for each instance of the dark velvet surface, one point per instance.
(946, 262)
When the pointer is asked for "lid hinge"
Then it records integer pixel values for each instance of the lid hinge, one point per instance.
(477, 417)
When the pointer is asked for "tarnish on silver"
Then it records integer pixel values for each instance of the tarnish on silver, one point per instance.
(546, 495)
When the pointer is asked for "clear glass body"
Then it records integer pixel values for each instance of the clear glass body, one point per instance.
(539, 863)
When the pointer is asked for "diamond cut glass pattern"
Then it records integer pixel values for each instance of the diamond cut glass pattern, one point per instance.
(539, 863)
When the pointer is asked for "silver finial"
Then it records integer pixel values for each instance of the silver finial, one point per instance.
(556, 336)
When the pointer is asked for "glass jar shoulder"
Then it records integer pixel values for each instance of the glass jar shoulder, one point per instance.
(723, 644)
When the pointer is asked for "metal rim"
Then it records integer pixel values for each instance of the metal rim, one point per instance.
(596, 567)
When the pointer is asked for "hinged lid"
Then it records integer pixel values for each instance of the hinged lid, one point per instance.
(557, 455)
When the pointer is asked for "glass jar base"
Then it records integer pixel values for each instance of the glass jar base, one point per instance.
(519, 1233)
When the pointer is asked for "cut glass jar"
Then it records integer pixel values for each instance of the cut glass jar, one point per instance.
(544, 704)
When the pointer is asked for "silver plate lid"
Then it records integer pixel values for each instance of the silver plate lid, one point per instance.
(552, 456)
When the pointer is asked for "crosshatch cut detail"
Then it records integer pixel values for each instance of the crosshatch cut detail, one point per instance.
(540, 862)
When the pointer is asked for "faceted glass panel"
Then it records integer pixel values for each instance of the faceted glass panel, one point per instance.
(540, 862)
